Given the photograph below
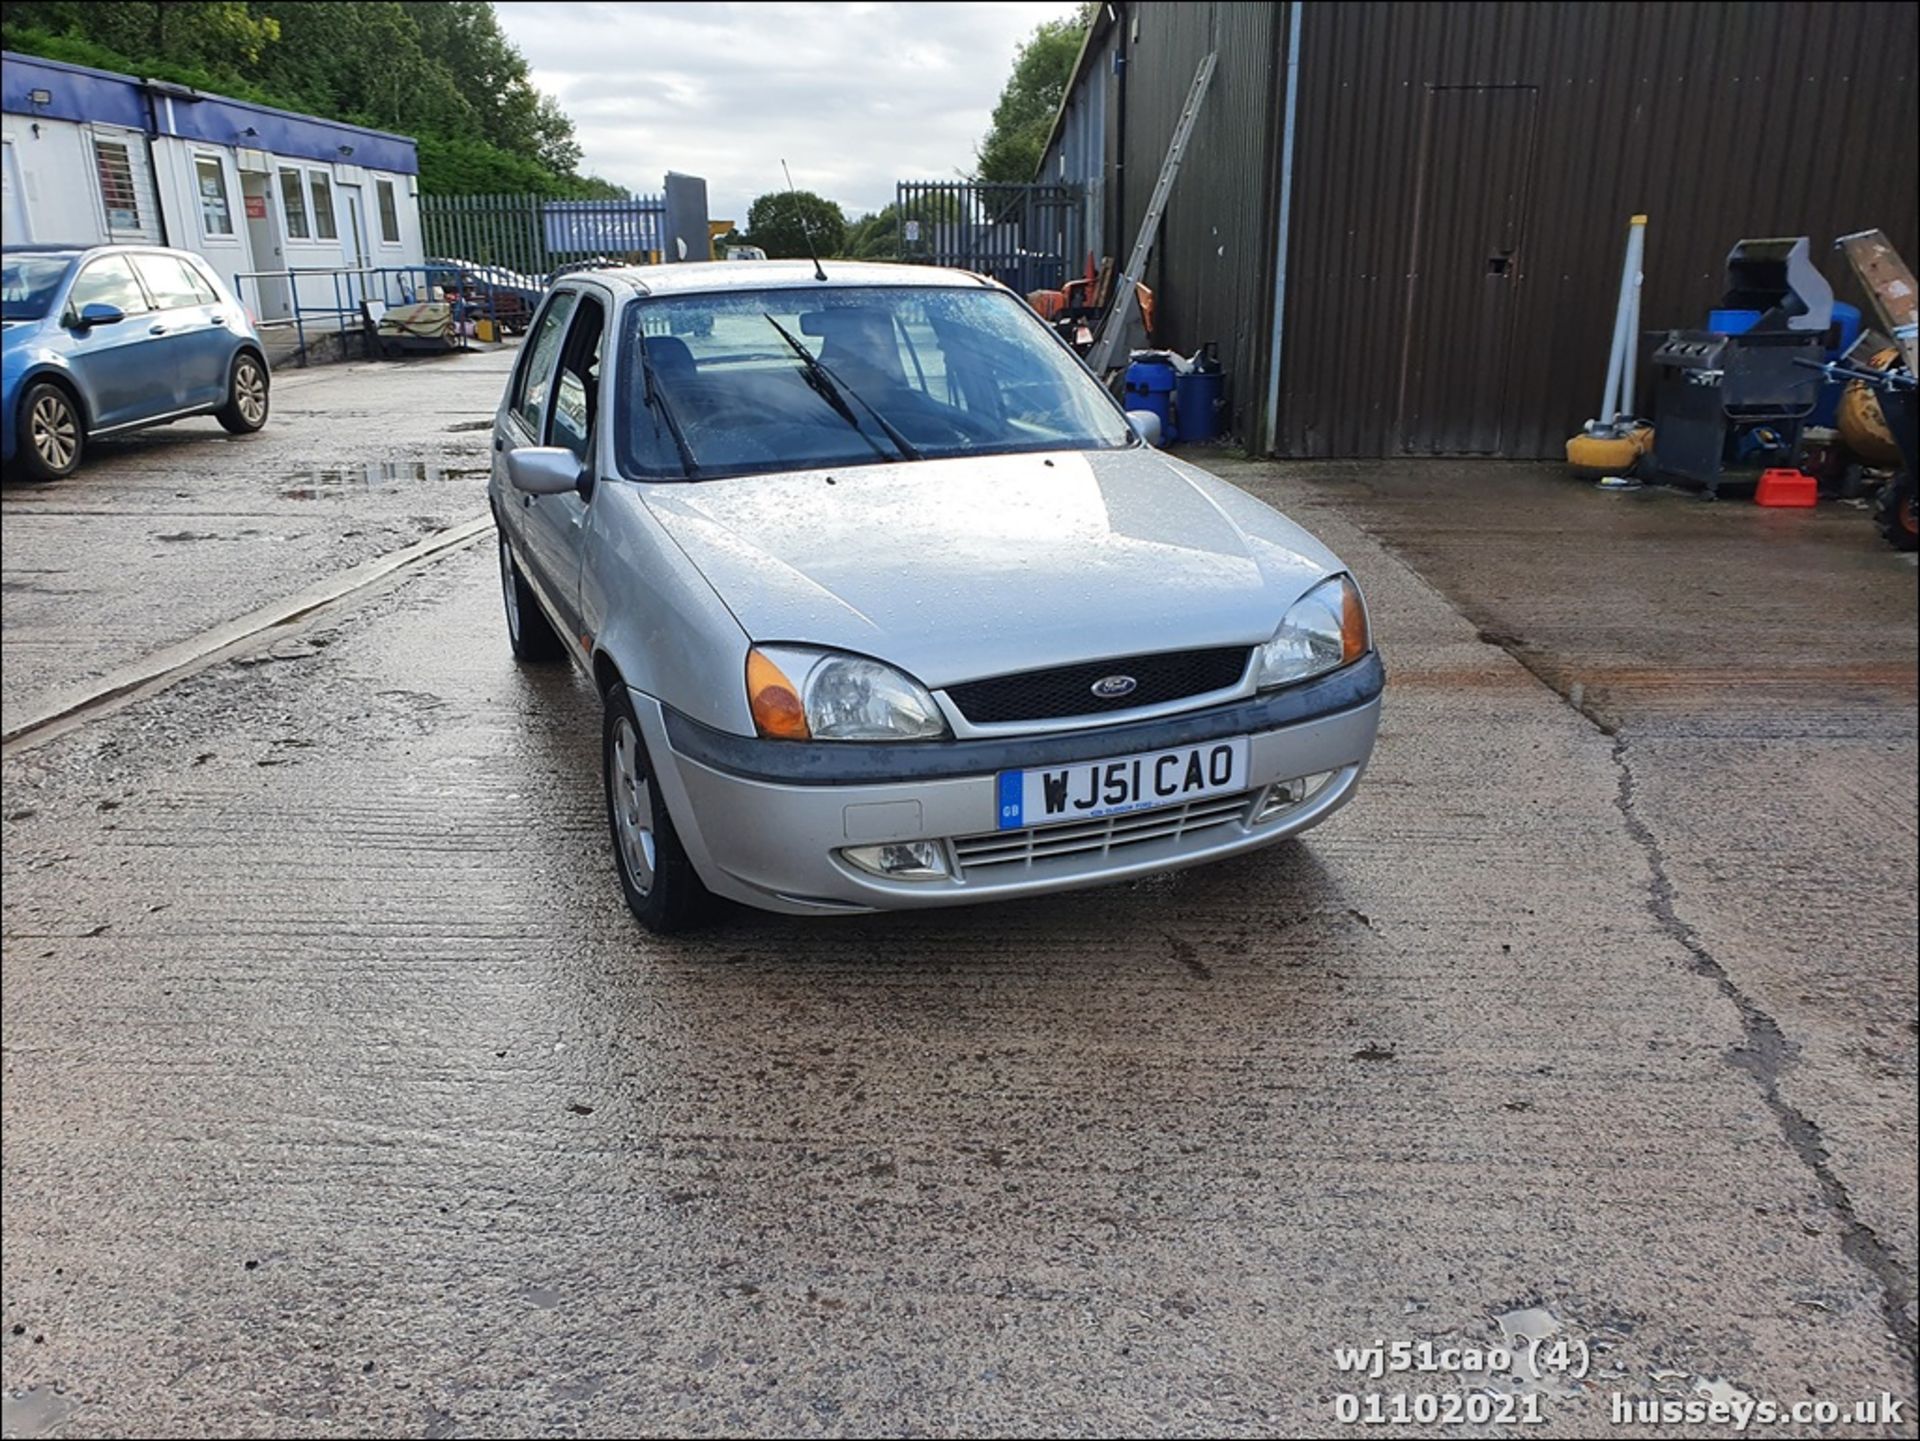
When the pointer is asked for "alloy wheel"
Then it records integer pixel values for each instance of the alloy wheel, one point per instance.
(632, 797)
(250, 392)
(55, 431)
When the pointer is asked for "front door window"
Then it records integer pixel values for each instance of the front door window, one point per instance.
(108, 281)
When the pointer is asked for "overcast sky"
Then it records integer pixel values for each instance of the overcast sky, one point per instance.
(854, 96)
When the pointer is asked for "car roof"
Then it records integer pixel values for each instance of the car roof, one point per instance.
(719, 276)
(51, 247)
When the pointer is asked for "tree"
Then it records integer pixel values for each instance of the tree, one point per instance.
(778, 223)
(465, 37)
(875, 236)
(363, 60)
(1011, 151)
(187, 31)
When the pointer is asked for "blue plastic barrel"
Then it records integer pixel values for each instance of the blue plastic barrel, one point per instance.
(1149, 386)
(1197, 397)
(1847, 317)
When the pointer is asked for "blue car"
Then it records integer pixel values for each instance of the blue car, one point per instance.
(109, 338)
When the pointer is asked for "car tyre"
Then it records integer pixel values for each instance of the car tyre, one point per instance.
(248, 398)
(1894, 512)
(529, 632)
(51, 435)
(658, 879)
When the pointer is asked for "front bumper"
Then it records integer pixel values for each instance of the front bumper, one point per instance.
(764, 820)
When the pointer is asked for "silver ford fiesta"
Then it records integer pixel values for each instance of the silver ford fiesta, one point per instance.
(891, 605)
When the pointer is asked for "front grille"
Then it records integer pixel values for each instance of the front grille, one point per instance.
(1068, 690)
(1027, 848)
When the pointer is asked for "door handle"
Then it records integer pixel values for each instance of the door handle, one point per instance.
(156, 330)
(499, 444)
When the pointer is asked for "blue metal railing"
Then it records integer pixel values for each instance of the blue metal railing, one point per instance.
(333, 299)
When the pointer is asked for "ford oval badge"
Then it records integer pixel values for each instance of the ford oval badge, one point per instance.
(1112, 687)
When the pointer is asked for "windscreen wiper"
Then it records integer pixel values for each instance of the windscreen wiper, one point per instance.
(835, 391)
(657, 403)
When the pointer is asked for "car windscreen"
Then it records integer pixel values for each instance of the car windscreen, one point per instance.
(29, 283)
(739, 382)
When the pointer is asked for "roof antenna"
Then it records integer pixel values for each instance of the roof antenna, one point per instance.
(805, 229)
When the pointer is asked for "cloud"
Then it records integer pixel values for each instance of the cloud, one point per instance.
(854, 96)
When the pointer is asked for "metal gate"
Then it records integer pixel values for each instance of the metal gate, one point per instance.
(1029, 237)
(531, 235)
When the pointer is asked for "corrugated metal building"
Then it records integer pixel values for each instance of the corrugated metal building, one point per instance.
(1456, 181)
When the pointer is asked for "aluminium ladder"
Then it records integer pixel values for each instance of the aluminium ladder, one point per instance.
(1889, 285)
(1125, 292)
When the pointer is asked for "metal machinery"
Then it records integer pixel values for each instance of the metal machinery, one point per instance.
(1890, 289)
(1895, 511)
(1715, 390)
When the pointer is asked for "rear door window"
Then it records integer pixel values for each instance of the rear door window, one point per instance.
(171, 282)
(108, 281)
(534, 384)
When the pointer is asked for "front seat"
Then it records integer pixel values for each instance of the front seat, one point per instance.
(860, 348)
(672, 361)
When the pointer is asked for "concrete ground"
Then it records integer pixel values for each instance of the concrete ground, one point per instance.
(169, 532)
(342, 1095)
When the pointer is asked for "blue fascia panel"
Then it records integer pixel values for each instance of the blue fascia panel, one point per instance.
(82, 94)
(78, 94)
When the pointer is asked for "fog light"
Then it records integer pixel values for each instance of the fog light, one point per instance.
(901, 860)
(1284, 796)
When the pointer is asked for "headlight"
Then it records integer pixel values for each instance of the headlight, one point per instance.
(798, 694)
(1323, 630)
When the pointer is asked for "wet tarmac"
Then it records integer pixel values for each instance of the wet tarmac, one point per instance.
(342, 1095)
(166, 533)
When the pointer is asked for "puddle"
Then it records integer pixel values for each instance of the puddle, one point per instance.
(1528, 1324)
(36, 1411)
(379, 477)
(1536, 1339)
(1720, 1392)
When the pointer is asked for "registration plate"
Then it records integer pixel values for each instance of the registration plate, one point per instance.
(1088, 790)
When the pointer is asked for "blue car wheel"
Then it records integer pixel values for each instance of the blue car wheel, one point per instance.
(51, 435)
(246, 407)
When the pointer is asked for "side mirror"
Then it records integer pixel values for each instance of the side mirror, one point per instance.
(547, 470)
(98, 314)
(1145, 424)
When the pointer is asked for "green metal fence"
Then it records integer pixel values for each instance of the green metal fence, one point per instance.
(531, 234)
